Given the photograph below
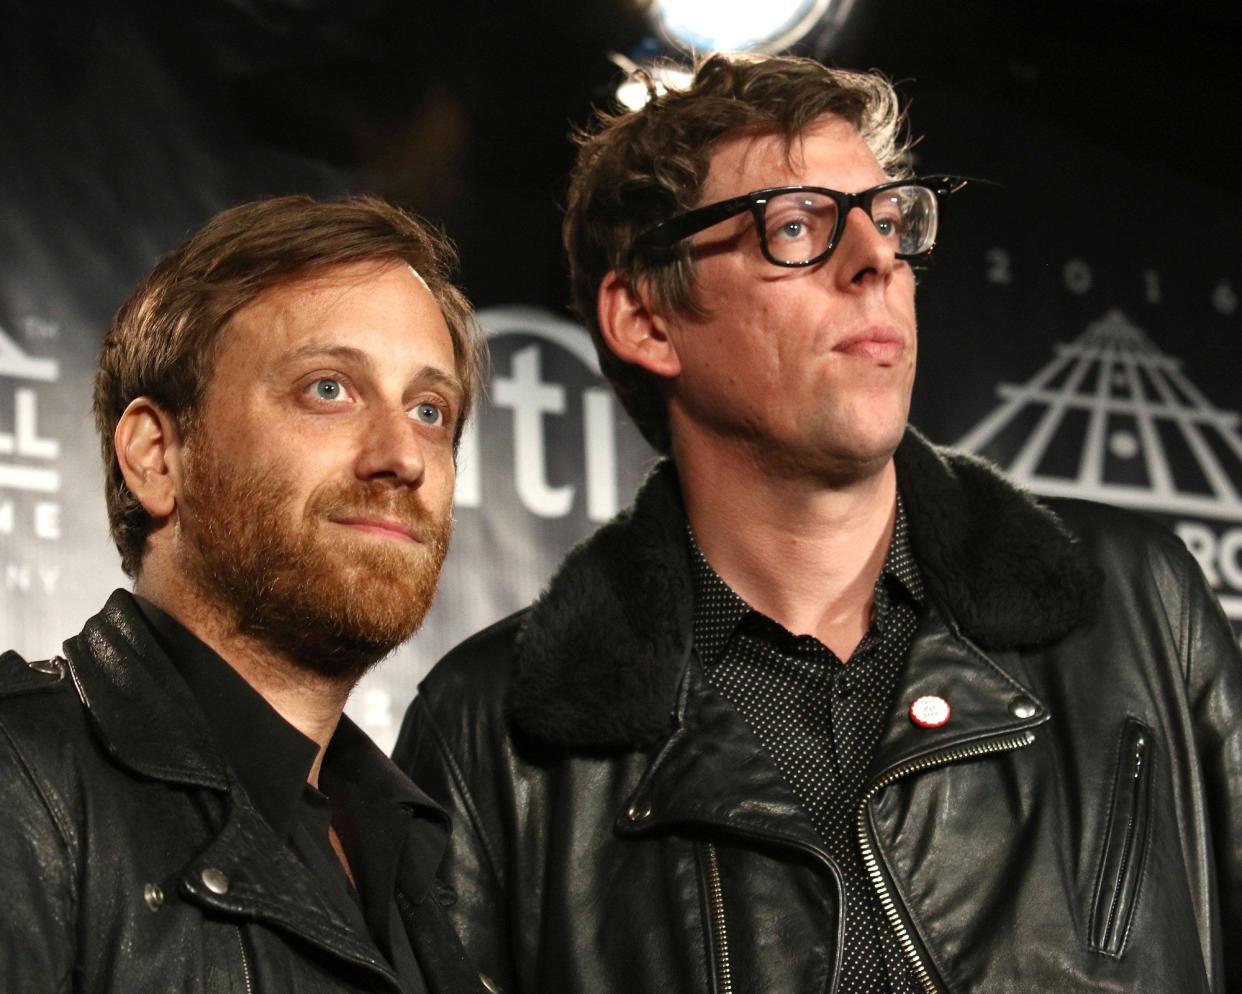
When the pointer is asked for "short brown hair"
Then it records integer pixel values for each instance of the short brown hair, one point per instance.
(164, 340)
(637, 168)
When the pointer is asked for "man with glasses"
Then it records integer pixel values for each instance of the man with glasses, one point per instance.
(829, 709)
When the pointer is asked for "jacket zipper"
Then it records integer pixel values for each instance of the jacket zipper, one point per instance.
(1127, 829)
(245, 961)
(872, 864)
(720, 949)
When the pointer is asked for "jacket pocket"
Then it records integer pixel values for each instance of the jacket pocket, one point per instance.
(1123, 858)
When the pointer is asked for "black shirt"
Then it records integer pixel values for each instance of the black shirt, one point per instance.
(821, 721)
(386, 826)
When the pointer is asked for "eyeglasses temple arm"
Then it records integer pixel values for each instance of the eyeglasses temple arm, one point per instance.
(668, 233)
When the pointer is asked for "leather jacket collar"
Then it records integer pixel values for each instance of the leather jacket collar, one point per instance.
(149, 722)
(999, 568)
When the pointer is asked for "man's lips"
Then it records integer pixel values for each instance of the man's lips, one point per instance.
(881, 345)
(379, 527)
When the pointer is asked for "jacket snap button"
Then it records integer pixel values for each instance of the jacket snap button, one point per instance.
(1022, 707)
(215, 880)
(52, 667)
(489, 984)
(153, 894)
(639, 810)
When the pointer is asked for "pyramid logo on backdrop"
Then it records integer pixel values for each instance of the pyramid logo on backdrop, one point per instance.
(1114, 419)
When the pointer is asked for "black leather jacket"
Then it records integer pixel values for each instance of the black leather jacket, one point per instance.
(131, 861)
(1076, 826)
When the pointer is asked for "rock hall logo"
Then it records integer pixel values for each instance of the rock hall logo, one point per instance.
(1112, 418)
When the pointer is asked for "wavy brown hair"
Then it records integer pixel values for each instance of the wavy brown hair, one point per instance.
(164, 340)
(637, 168)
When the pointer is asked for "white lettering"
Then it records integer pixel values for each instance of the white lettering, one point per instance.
(468, 491)
(1201, 541)
(600, 439)
(47, 520)
(15, 363)
(1230, 557)
(16, 576)
(1077, 276)
(530, 398)
(1151, 282)
(1224, 297)
(42, 481)
(998, 266)
(46, 517)
(26, 422)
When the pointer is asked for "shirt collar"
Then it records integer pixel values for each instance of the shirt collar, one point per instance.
(382, 809)
(719, 609)
(270, 757)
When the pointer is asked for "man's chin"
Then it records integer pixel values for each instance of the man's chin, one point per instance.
(341, 626)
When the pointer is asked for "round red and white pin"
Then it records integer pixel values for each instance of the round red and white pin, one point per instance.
(930, 711)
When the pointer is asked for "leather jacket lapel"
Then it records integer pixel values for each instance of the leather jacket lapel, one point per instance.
(713, 772)
(986, 701)
(121, 673)
(246, 872)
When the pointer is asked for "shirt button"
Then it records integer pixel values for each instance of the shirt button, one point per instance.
(215, 880)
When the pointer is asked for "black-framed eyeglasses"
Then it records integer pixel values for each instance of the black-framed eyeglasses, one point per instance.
(801, 225)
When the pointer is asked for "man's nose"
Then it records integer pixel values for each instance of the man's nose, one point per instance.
(390, 449)
(863, 252)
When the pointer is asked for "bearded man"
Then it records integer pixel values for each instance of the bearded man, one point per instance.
(183, 804)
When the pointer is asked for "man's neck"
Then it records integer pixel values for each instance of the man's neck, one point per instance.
(802, 552)
(310, 702)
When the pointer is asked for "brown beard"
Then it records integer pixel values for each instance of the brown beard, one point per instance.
(334, 608)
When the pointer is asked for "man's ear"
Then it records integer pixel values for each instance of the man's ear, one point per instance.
(632, 329)
(148, 449)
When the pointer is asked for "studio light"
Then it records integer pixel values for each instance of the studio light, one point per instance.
(633, 92)
(738, 25)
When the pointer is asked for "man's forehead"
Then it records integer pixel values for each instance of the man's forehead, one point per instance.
(363, 306)
(323, 285)
(774, 153)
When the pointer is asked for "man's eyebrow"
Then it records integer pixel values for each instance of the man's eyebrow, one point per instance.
(313, 350)
(447, 381)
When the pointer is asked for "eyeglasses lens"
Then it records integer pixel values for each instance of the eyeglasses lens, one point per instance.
(907, 215)
(799, 226)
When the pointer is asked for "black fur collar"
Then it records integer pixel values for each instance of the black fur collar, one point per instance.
(603, 648)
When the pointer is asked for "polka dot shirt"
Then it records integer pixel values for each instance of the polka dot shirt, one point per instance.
(821, 721)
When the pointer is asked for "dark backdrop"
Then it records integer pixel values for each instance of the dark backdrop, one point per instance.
(1080, 325)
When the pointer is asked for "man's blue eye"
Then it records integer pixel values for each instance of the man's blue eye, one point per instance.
(429, 414)
(328, 389)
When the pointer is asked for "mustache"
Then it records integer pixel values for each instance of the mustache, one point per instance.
(376, 500)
